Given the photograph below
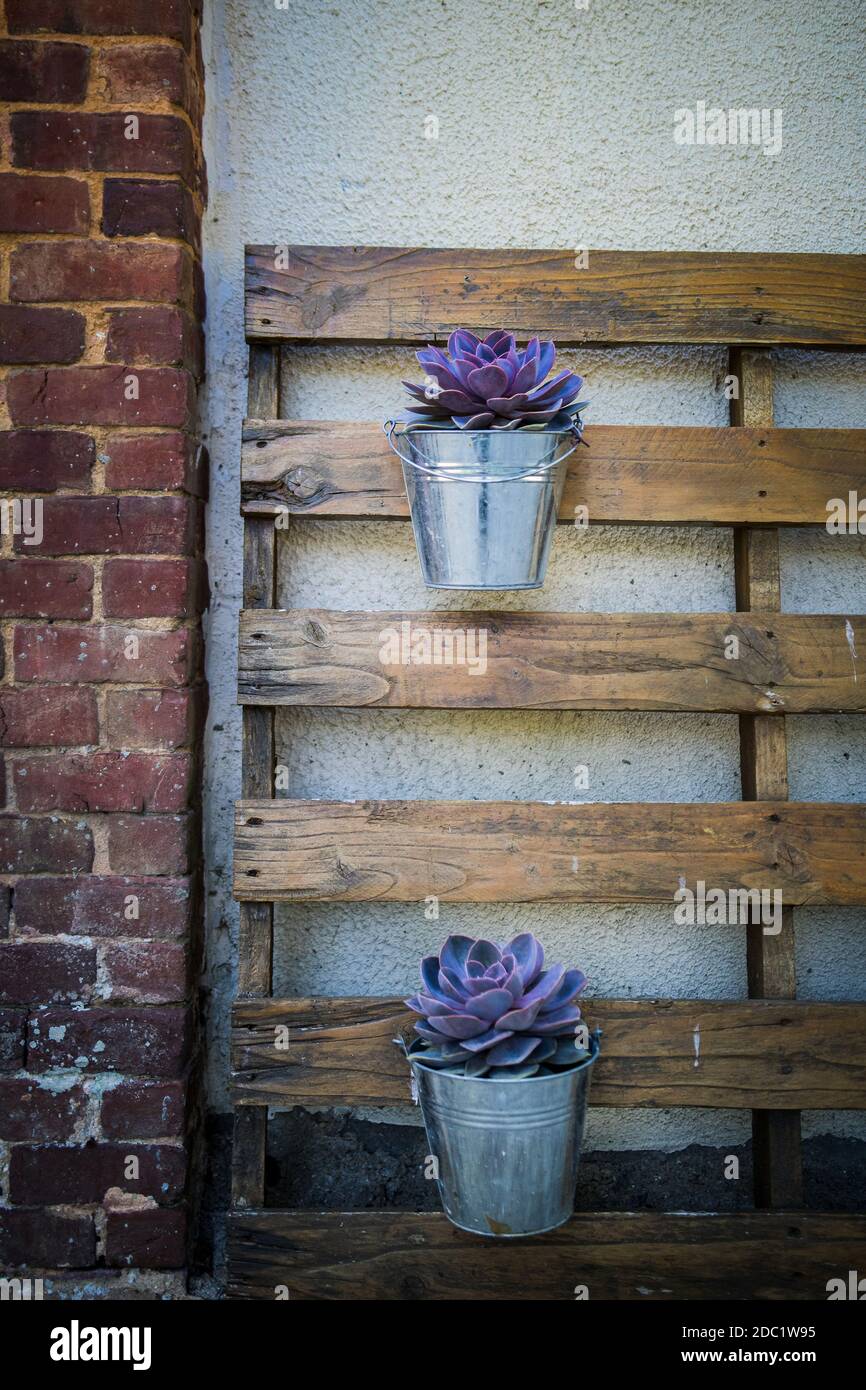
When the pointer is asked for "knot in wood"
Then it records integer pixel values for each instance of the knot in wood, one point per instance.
(301, 484)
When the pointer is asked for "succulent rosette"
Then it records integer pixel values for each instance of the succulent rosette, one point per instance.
(496, 1010)
(490, 383)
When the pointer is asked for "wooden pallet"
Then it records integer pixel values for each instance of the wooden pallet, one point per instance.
(770, 1053)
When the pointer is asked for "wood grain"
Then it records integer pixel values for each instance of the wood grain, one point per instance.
(513, 851)
(619, 661)
(639, 1256)
(646, 475)
(770, 961)
(392, 294)
(256, 925)
(658, 1053)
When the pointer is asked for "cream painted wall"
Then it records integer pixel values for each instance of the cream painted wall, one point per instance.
(555, 129)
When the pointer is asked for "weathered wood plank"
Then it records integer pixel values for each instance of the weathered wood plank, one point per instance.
(771, 961)
(621, 661)
(394, 294)
(640, 1256)
(790, 1054)
(512, 851)
(646, 475)
(256, 926)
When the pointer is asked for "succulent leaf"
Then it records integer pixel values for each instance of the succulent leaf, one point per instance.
(454, 953)
(495, 385)
(513, 1050)
(457, 1025)
(484, 1040)
(490, 1005)
(493, 1010)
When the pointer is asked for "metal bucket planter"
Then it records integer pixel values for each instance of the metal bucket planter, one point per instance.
(483, 502)
(507, 1151)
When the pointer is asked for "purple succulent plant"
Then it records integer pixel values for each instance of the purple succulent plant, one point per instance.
(492, 384)
(495, 1011)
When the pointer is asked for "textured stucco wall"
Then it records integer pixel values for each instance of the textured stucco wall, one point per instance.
(555, 129)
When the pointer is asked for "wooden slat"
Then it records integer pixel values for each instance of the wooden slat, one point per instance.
(771, 961)
(394, 294)
(622, 661)
(790, 1054)
(256, 926)
(646, 475)
(621, 1256)
(512, 851)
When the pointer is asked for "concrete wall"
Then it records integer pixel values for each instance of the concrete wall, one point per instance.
(555, 129)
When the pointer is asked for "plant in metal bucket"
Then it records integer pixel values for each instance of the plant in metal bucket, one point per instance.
(492, 384)
(484, 447)
(496, 1011)
(501, 1068)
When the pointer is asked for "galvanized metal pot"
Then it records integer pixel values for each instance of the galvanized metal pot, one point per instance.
(483, 502)
(507, 1151)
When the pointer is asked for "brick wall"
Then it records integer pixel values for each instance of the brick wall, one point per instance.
(101, 701)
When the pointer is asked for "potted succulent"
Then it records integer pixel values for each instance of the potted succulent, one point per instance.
(501, 1065)
(483, 450)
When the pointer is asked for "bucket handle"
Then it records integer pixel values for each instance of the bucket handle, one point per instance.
(390, 426)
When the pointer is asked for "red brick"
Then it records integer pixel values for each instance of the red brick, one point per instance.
(33, 71)
(150, 588)
(98, 141)
(113, 781)
(153, 337)
(40, 335)
(34, 203)
(139, 1042)
(142, 972)
(100, 906)
(96, 395)
(152, 207)
(144, 1110)
(155, 462)
(169, 18)
(45, 589)
(46, 971)
(48, 716)
(58, 1173)
(151, 718)
(46, 846)
(13, 1024)
(40, 1239)
(116, 525)
(142, 74)
(147, 1237)
(104, 653)
(149, 844)
(43, 460)
(88, 270)
(31, 1112)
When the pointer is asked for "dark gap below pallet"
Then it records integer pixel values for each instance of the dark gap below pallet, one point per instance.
(326, 1162)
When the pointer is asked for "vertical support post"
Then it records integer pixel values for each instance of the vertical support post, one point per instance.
(771, 964)
(256, 935)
